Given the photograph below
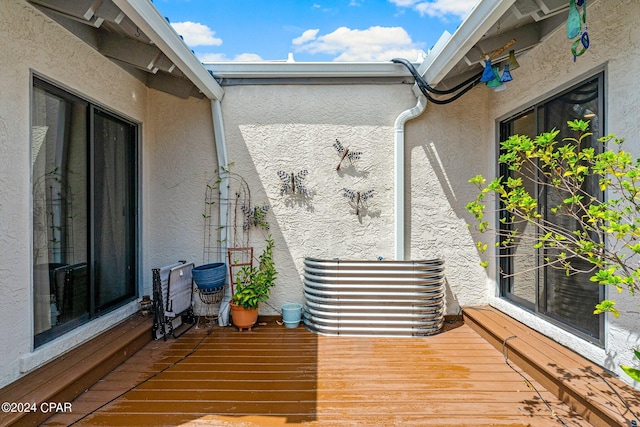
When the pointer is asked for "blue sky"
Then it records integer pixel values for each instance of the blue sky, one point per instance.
(321, 30)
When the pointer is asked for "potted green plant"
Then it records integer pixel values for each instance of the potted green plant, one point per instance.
(254, 286)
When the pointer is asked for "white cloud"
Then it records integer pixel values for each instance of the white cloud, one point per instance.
(404, 3)
(438, 8)
(247, 57)
(441, 8)
(196, 34)
(307, 36)
(221, 57)
(373, 44)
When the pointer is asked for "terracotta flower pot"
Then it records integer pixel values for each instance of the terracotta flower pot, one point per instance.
(243, 318)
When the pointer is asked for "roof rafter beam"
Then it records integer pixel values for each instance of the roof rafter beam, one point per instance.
(109, 12)
(181, 88)
(81, 10)
(140, 55)
(78, 8)
(526, 37)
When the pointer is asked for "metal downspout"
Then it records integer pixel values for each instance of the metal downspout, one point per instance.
(223, 162)
(399, 125)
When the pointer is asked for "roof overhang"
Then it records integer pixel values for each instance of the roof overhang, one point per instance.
(493, 28)
(489, 27)
(133, 34)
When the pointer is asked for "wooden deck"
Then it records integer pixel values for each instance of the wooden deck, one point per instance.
(277, 376)
(66, 377)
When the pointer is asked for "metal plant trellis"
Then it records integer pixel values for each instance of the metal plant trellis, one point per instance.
(230, 190)
(228, 219)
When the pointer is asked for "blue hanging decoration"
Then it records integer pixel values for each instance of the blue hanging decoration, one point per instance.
(506, 74)
(487, 75)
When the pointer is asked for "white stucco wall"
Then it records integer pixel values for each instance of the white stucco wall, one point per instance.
(179, 160)
(31, 41)
(290, 128)
(615, 46)
(293, 127)
(444, 149)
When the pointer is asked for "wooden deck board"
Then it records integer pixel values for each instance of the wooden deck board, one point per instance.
(69, 375)
(583, 385)
(277, 376)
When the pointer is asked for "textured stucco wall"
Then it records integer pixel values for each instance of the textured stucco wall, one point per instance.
(179, 160)
(31, 41)
(615, 46)
(289, 128)
(444, 149)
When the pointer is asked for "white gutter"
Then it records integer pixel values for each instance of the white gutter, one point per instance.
(149, 21)
(446, 53)
(264, 70)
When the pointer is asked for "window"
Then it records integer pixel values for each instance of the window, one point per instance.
(566, 300)
(84, 189)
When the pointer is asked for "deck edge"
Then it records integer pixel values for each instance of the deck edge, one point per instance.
(522, 354)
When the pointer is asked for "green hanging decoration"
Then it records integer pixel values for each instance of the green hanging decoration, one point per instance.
(575, 25)
(495, 80)
(573, 22)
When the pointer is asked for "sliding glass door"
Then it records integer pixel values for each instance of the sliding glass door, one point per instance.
(114, 209)
(84, 211)
(525, 278)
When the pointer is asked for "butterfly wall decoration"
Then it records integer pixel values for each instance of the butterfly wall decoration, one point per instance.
(345, 153)
(255, 217)
(293, 183)
(357, 199)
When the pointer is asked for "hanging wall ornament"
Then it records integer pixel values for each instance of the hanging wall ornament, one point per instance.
(574, 25)
(487, 75)
(490, 76)
(573, 21)
(293, 183)
(513, 63)
(255, 217)
(506, 74)
(357, 199)
(495, 80)
(345, 153)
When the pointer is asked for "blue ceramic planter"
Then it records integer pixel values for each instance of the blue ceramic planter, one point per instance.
(210, 277)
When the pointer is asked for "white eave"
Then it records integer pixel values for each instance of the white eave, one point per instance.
(149, 20)
(483, 16)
